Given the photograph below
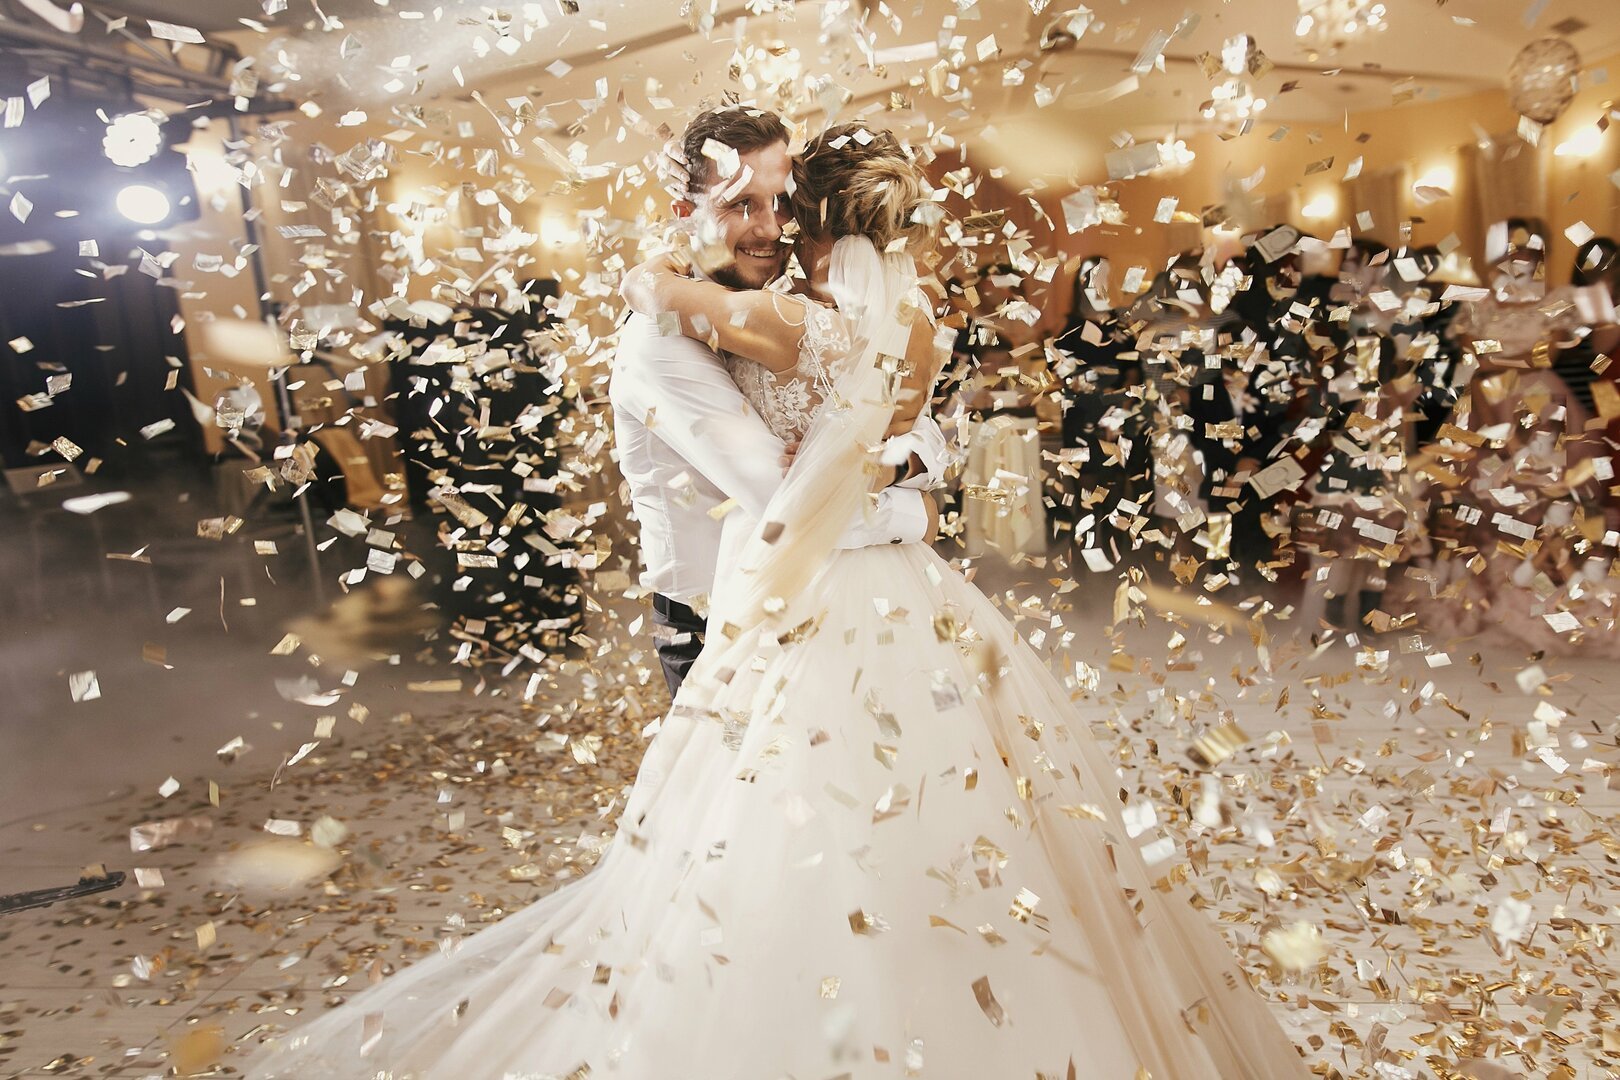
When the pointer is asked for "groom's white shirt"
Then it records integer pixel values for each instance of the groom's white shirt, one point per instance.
(687, 440)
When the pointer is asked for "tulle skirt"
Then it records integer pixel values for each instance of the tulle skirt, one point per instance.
(879, 843)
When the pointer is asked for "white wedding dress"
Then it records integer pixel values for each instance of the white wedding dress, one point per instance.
(872, 839)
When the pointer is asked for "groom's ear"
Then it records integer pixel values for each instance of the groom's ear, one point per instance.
(683, 208)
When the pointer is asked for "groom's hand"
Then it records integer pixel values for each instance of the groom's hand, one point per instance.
(931, 534)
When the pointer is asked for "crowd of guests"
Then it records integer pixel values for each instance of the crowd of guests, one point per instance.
(1389, 441)
(484, 425)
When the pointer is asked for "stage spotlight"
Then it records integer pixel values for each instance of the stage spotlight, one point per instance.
(132, 139)
(143, 204)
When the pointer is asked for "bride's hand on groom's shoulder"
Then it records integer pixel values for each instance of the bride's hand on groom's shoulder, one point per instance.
(907, 408)
(673, 174)
(639, 288)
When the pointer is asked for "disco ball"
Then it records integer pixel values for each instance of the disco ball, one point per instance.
(1541, 80)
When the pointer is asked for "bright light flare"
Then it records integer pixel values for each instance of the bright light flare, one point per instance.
(132, 140)
(1322, 206)
(143, 204)
(1584, 143)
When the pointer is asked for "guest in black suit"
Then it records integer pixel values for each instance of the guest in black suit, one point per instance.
(1234, 431)
(1102, 414)
(1596, 263)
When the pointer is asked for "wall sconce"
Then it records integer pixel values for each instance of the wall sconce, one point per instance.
(1433, 185)
(1585, 143)
(1441, 176)
(558, 231)
(1322, 205)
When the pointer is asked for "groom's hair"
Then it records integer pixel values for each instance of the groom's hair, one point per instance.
(740, 127)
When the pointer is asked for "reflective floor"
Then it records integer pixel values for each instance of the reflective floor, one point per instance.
(1446, 830)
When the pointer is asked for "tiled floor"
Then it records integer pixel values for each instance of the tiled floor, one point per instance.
(1397, 810)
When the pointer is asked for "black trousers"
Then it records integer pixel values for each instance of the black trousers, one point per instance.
(679, 642)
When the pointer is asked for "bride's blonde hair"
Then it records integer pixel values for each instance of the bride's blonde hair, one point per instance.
(852, 180)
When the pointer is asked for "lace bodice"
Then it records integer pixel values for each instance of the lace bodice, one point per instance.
(788, 401)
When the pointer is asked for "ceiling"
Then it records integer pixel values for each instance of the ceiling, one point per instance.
(551, 62)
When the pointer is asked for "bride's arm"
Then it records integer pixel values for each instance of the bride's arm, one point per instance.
(767, 327)
(923, 362)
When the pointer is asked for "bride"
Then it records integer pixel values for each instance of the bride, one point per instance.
(871, 838)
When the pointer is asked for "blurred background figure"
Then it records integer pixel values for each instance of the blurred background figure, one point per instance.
(1105, 443)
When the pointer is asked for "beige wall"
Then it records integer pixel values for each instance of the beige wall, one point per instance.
(1413, 138)
(1410, 139)
(441, 192)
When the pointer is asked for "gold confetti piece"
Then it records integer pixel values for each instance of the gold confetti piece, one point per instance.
(198, 1051)
(987, 1001)
(1023, 905)
(1218, 743)
(864, 924)
(1295, 947)
(435, 686)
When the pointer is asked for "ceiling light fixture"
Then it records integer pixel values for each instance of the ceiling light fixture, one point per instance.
(1326, 26)
(1175, 157)
(143, 204)
(1233, 102)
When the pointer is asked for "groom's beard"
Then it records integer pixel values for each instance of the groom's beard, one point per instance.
(732, 276)
(729, 276)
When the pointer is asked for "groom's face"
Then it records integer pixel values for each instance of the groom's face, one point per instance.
(744, 214)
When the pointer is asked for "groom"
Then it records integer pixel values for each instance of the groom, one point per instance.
(689, 445)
